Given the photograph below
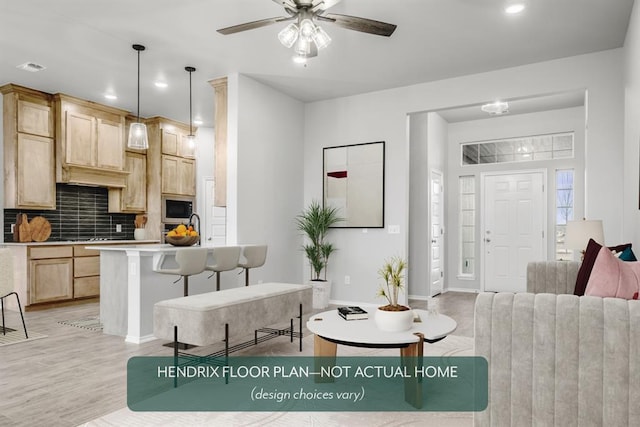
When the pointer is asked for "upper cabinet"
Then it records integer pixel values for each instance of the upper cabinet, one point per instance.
(175, 142)
(90, 143)
(29, 153)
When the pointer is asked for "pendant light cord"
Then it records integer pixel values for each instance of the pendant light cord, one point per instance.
(138, 48)
(138, 86)
(190, 70)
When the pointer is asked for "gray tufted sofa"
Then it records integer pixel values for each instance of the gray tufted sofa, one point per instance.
(559, 360)
(554, 277)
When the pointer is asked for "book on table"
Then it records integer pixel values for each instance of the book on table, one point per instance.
(352, 313)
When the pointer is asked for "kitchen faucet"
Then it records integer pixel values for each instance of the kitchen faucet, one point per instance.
(194, 227)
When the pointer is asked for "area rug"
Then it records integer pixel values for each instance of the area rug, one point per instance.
(90, 323)
(450, 346)
(17, 336)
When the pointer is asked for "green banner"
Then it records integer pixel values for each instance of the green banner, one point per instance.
(307, 384)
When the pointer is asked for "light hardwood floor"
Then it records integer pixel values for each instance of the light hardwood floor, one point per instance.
(76, 375)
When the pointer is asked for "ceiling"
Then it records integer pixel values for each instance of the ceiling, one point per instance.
(517, 106)
(86, 46)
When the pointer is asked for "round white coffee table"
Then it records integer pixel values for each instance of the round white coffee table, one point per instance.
(364, 333)
(330, 330)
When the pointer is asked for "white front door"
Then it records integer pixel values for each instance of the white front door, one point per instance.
(436, 231)
(513, 233)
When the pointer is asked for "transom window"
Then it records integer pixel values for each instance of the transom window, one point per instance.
(522, 149)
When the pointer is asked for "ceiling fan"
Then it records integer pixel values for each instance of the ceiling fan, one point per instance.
(307, 36)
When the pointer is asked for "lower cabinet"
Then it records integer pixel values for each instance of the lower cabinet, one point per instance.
(86, 273)
(62, 273)
(50, 274)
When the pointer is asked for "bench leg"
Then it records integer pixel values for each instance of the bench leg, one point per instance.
(175, 354)
(300, 319)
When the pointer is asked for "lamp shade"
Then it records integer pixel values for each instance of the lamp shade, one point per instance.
(579, 233)
(138, 136)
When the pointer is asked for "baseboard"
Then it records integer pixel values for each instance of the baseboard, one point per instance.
(473, 291)
(419, 297)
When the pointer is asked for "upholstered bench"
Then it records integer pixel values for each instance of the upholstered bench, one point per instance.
(212, 317)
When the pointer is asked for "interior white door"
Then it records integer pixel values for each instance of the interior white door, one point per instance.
(514, 228)
(436, 231)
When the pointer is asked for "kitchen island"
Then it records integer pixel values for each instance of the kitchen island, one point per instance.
(129, 287)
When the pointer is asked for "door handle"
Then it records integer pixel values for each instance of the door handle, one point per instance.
(434, 241)
(487, 240)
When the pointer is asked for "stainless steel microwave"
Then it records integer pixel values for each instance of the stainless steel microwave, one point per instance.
(177, 209)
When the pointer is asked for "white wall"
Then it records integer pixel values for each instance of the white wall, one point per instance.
(265, 177)
(632, 130)
(427, 150)
(555, 121)
(417, 274)
(382, 116)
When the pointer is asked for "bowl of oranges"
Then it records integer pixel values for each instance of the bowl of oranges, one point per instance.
(182, 235)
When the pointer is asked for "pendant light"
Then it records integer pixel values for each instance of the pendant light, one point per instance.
(138, 131)
(191, 138)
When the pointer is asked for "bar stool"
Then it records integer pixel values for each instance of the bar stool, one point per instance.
(190, 261)
(255, 256)
(6, 286)
(225, 258)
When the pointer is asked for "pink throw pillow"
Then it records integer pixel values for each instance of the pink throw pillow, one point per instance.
(612, 277)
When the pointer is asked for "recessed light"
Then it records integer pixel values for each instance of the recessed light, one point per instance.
(31, 66)
(161, 85)
(197, 122)
(110, 96)
(514, 8)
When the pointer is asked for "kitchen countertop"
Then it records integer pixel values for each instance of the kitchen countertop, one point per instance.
(80, 242)
(157, 248)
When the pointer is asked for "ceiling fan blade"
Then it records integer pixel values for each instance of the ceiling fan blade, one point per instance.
(251, 25)
(360, 24)
(286, 3)
(322, 5)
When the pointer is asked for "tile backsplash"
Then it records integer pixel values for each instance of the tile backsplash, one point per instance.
(81, 214)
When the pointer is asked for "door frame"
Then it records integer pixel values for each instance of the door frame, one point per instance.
(442, 228)
(545, 225)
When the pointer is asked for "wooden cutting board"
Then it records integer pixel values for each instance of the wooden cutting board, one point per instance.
(40, 228)
(22, 230)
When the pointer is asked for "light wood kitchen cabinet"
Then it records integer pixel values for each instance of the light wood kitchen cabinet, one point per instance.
(29, 149)
(86, 272)
(175, 142)
(132, 198)
(50, 274)
(178, 176)
(90, 143)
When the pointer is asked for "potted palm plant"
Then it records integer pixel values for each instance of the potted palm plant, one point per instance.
(393, 316)
(314, 222)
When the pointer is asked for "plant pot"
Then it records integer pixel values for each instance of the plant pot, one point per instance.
(321, 293)
(394, 321)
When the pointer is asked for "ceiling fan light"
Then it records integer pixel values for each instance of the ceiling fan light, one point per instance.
(300, 59)
(302, 47)
(138, 136)
(307, 29)
(321, 38)
(288, 35)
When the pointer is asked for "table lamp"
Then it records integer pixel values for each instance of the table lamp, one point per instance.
(579, 232)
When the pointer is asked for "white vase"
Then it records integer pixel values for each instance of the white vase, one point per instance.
(394, 321)
(139, 234)
(321, 293)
